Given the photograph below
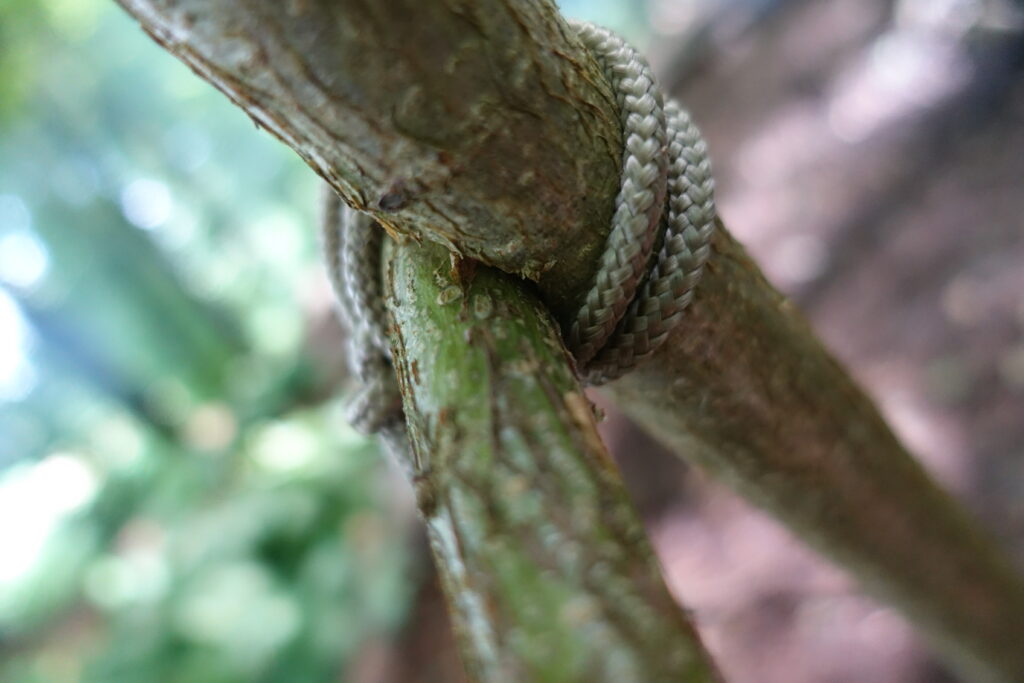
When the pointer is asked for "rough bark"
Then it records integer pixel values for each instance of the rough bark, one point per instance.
(547, 570)
(483, 126)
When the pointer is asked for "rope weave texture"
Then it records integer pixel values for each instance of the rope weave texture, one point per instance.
(618, 326)
(352, 246)
(636, 295)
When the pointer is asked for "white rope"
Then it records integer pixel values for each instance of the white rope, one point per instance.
(635, 297)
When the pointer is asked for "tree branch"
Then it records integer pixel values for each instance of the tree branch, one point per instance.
(745, 389)
(546, 567)
(480, 125)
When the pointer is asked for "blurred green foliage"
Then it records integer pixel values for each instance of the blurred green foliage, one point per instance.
(179, 502)
(180, 499)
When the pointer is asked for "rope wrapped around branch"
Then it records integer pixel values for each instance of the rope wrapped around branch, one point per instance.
(637, 295)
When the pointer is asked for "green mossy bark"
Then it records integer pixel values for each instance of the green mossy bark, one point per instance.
(547, 569)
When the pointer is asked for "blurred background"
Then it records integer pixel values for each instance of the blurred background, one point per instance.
(180, 498)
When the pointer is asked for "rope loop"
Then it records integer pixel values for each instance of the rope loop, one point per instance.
(636, 297)
(352, 244)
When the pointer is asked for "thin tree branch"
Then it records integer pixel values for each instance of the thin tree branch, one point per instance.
(745, 389)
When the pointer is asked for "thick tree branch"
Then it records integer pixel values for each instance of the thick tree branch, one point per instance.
(547, 570)
(483, 126)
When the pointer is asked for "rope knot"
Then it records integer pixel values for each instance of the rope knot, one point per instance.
(667, 192)
(636, 296)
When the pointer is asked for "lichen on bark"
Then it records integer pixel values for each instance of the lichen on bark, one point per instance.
(547, 568)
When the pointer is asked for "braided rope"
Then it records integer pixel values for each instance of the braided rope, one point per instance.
(627, 313)
(689, 225)
(352, 243)
(641, 196)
